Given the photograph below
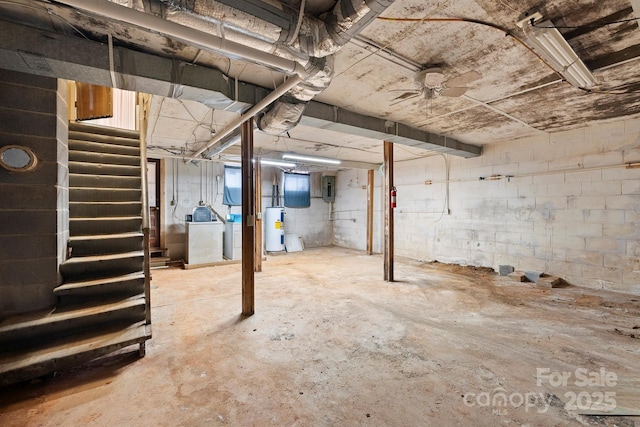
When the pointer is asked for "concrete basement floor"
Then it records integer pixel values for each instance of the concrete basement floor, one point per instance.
(331, 344)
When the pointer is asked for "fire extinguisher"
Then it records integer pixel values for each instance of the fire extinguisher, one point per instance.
(393, 197)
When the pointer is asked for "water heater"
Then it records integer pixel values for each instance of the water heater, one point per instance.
(274, 229)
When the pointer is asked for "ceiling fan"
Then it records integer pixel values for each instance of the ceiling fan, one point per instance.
(432, 83)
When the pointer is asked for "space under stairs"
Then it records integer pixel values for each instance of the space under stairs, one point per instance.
(102, 305)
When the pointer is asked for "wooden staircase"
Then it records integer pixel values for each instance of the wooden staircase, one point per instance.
(103, 300)
(159, 257)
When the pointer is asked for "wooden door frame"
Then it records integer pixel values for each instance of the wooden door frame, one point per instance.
(158, 201)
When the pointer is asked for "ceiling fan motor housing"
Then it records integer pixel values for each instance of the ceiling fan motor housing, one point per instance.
(431, 78)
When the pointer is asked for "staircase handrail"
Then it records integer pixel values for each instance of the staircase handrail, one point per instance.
(143, 103)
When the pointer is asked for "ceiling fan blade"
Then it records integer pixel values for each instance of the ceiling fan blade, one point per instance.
(407, 95)
(454, 91)
(463, 79)
(403, 98)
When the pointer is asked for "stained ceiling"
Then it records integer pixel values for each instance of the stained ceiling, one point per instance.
(515, 96)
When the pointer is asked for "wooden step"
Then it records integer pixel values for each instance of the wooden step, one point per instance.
(84, 194)
(133, 283)
(99, 147)
(62, 353)
(103, 169)
(18, 330)
(156, 251)
(103, 158)
(104, 181)
(103, 244)
(105, 225)
(158, 262)
(104, 209)
(103, 130)
(104, 139)
(100, 266)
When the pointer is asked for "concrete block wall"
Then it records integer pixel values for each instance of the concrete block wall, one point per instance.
(571, 209)
(312, 224)
(349, 214)
(34, 213)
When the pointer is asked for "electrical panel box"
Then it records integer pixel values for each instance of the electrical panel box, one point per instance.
(329, 189)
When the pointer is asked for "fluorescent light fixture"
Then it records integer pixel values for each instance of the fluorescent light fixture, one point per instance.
(280, 163)
(311, 159)
(554, 49)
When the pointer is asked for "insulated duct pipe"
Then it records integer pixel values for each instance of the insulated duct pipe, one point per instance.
(187, 35)
(265, 102)
(286, 33)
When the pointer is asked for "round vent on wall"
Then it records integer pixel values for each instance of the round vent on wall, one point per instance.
(16, 158)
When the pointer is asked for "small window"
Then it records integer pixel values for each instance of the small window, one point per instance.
(232, 186)
(297, 193)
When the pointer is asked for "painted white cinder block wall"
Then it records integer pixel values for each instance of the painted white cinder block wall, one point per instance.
(349, 214)
(195, 182)
(569, 210)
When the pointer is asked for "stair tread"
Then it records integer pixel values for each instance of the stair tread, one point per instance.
(117, 141)
(30, 320)
(103, 189)
(106, 218)
(93, 258)
(105, 236)
(94, 282)
(107, 203)
(104, 176)
(103, 156)
(74, 345)
(98, 166)
(97, 146)
(103, 130)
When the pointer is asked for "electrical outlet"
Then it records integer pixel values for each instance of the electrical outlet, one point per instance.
(172, 203)
(218, 178)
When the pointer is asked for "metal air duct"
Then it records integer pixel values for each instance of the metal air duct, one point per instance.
(272, 27)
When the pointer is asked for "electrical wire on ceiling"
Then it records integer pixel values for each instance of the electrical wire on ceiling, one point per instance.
(403, 34)
(509, 6)
(477, 22)
(422, 154)
(510, 34)
(336, 146)
(49, 11)
(174, 151)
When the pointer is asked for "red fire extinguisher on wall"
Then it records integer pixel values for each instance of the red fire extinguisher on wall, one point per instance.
(393, 197)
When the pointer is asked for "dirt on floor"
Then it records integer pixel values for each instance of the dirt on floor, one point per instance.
(332, 344)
